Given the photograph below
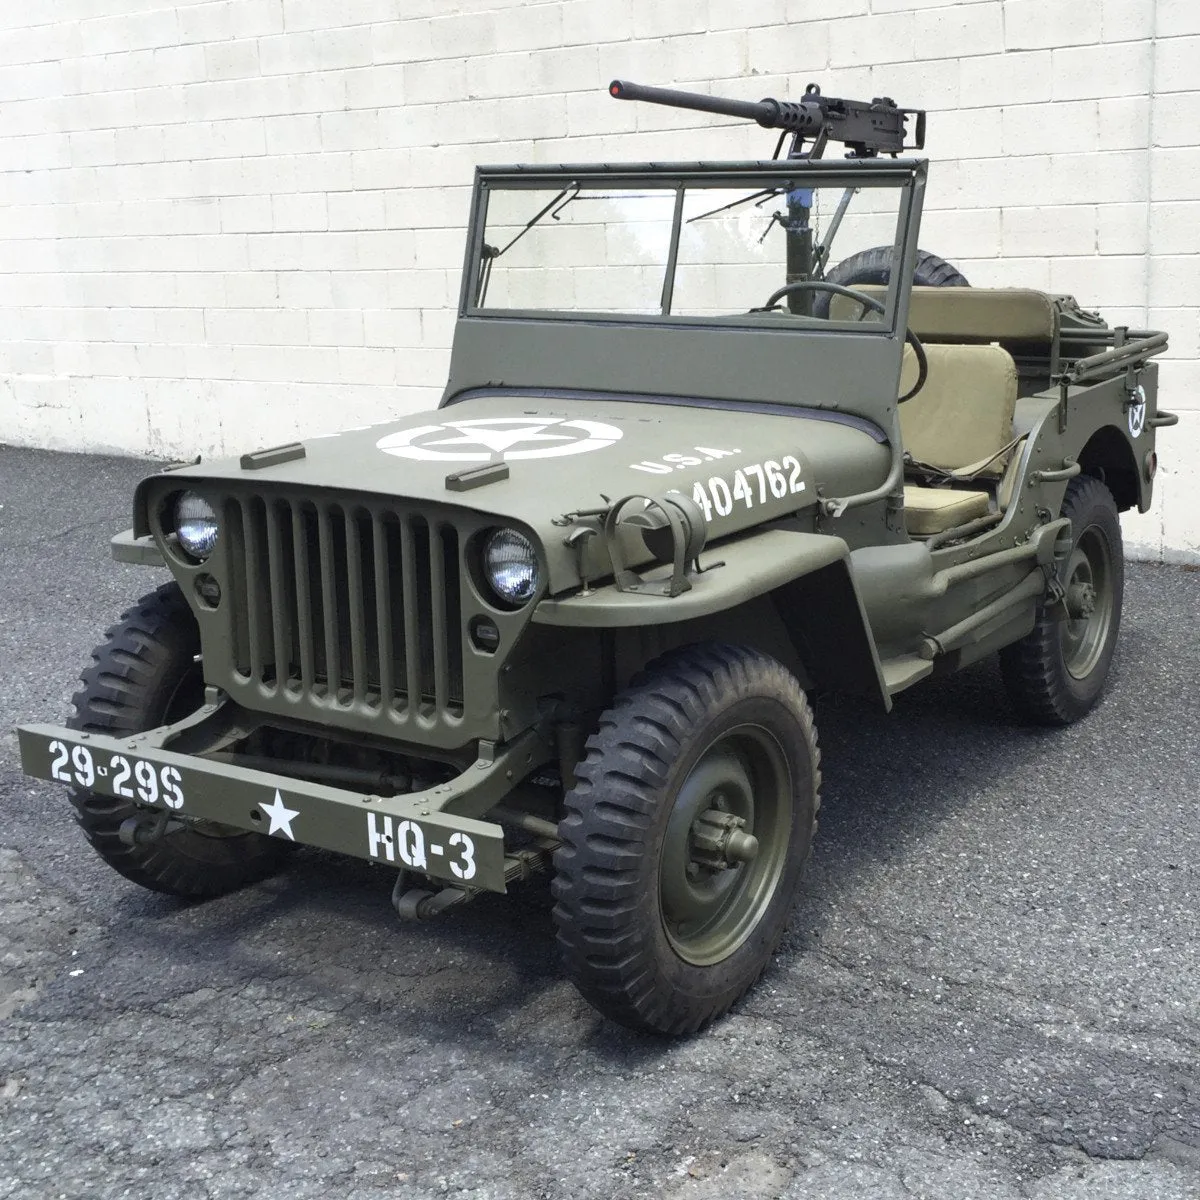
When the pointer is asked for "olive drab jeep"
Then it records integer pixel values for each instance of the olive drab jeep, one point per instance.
(691, 468)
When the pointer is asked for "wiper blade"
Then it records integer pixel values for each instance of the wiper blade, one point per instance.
(762, 196)
(555, 205)
(489, 253)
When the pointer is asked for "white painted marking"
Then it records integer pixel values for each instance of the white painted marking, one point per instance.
(483, 439)
(410, 841)
(381, 837)
(465, 869)
(281, 816)
(1137, 414)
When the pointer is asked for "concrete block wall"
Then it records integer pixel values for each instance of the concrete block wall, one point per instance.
(228, 223)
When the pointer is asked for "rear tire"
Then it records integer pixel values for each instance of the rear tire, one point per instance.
(145, 674)
(665, 918)
(1055, 674)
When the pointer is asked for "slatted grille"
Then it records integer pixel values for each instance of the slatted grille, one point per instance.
(346, 604)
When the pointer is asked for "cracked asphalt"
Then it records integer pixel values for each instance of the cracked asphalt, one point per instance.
(990, 988)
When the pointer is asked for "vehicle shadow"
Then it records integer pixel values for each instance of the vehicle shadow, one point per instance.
(894, 778)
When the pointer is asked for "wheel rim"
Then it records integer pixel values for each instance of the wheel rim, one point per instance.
(1089, 603)
(739, 792)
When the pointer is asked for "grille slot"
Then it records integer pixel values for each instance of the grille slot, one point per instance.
(346, 604)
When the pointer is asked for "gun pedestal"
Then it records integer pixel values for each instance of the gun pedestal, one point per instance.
(798, 228)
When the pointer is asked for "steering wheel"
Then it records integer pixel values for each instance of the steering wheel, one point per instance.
(819, 285)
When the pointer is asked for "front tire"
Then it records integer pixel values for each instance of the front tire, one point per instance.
(1056, 673)
(146, 674)
(685, 837)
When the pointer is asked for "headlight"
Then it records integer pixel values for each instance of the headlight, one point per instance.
(195, 525)
(510, 566)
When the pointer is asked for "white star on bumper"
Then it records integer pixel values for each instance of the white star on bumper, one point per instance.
(281, 816)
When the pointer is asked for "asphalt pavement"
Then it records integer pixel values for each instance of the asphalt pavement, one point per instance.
(991, 987)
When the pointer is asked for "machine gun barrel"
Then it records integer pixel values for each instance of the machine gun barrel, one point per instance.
(867, 128)
(770, 114)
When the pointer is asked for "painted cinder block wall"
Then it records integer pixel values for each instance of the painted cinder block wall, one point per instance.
(231, 223)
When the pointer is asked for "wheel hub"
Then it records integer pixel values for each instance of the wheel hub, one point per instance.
(718, 841)
(1088, 602)
(725, 844)
(1081, 600)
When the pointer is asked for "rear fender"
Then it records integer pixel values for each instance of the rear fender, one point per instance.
(1109, 456)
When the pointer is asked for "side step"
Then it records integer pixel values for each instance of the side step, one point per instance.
(903, 672)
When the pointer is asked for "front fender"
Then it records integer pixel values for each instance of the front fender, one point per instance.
(806, 575)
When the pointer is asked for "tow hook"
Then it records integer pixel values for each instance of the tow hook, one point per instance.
(142, 830)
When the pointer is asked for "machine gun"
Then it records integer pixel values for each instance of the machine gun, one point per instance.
(867, 129)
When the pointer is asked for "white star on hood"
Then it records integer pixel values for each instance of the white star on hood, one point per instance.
(281, 816)
(500, 440)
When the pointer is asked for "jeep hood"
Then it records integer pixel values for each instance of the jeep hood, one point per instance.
(743, 464)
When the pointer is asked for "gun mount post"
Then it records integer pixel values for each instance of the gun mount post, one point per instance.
(799, 235)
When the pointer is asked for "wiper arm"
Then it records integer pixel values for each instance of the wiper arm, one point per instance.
(490, 252)
(765, 194)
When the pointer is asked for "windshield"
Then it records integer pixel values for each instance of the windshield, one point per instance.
(679, 250)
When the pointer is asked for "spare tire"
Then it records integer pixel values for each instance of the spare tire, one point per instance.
(875, 266)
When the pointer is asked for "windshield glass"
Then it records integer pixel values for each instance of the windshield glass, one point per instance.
(650, 249)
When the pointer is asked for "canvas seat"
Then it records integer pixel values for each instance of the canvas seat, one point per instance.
(960, 424)
(1014, 316)
(930, 510)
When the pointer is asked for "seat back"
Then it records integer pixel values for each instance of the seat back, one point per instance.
(965, 410)
(959, 314)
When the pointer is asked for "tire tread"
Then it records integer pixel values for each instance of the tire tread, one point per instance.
(124, 690)
(609, 814)
(1032, 669)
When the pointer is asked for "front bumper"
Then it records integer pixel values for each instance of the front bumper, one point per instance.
(414, 831)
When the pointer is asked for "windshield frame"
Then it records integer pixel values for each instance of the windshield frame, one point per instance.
(899, 174)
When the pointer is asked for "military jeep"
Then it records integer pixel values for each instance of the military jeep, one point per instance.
(689, 472)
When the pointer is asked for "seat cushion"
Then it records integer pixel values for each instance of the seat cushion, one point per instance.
(934, 510)
(965, 410)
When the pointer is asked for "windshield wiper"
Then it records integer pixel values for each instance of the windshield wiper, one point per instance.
(761, 197)
(490, 253)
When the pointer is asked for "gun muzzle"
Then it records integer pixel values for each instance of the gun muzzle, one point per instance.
(802, 118)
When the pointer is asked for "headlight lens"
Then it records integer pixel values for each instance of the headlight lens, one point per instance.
(510, 566)
(195, 525)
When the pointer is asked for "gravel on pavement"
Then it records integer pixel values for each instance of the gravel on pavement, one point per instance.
(991, 987)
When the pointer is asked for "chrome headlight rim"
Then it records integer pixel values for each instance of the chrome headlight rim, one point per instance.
(198, 530)
(509, 552)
